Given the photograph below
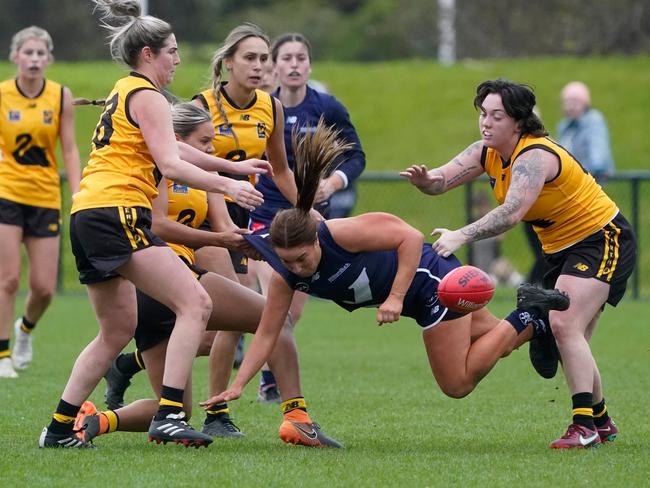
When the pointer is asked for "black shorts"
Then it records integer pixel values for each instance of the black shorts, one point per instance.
(155, 320)
(103, 239)
(241, 217)
(35, 221)
(608, 255)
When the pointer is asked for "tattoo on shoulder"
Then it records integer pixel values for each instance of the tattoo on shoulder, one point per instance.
(528, 171)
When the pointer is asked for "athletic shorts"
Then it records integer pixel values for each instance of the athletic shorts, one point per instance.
(35, 221)
(103, 239)
(240, 216)
(421, 301)
(155, 320)
(608, 255)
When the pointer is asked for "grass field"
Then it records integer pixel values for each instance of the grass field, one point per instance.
(370, 388)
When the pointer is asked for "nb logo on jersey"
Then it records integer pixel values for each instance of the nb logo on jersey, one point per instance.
(302, 286)
(31, 105)
(245, 117)
(581, 267)
(292, 119)
(14, 115)
(48, 117)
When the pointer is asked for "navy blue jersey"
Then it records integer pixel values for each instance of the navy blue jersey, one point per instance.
(364, 279)
(306, 116)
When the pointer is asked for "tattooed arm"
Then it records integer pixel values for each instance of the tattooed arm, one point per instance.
(529, 173)
(464, 167)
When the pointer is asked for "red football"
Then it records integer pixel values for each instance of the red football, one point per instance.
(465, 289)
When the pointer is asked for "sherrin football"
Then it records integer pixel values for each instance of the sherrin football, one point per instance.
(465, 289)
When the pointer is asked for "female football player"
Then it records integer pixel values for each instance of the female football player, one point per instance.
(177, 219)
(349, 262)
(303, 107)
(110, 228)
(589, 247)
(35, 112)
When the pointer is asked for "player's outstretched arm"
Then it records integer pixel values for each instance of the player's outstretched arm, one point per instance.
(463, 168)
(275, 312)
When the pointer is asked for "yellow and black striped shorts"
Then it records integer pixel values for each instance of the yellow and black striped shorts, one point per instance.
(103, 239)
(608, 255)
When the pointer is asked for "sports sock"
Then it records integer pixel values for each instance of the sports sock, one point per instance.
(109, 422)
(171, 401)
(519, 320)
(600, 413)
(582, 409)
(5, 352)
(64, 417)
(267, 379)
(295, 410)
(130, 363)
(215, 412)
(27, 326)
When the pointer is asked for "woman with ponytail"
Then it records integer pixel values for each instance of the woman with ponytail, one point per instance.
(373, 259)
(110, 227)
(589, 247)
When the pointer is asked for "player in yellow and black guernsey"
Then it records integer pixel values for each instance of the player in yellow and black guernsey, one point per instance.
(589, 247)
(248, 121)
(110, 227)
(35, 113)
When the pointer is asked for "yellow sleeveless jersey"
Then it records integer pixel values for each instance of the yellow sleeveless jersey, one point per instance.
(189, 207)
(29, 128)
(569, 208)
(252, 124)
(121, 171)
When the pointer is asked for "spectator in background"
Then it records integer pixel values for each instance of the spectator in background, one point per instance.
(583, 132)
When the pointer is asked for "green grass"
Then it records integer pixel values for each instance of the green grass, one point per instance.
(369, 387)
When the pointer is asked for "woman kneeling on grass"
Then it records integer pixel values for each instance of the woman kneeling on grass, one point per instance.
(349, 262)
(177, 218)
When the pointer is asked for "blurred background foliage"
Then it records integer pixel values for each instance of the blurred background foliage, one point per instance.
(364, 30)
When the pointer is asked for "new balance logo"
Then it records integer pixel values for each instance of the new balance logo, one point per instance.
(581, 267)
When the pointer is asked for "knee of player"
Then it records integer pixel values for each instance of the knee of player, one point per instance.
(457, 389)
(9, 284)
(42, 292)
(563, 326)
(196, 305)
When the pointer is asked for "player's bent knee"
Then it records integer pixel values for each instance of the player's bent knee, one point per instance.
(10, 284)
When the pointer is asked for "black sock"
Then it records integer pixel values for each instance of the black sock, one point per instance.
(216, 412)
(267, 379)
(27, 326)
(171, 401)
(600, 413)
(583, 413)
(63, 419)
(5, 352)
(129, 363)
(519, 320)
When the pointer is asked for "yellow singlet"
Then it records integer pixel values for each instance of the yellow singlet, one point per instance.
(569, 208)
(189, 207)
(29, 128)
(252, 124)
(121, 171)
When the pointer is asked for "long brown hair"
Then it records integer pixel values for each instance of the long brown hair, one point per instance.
(314, 154)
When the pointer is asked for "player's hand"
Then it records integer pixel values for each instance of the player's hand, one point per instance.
(252, 167)
(233, 239)
(244, 194)
(448, 242)
(420, 177)
(327, 187)
(390, 310)
(232, 393)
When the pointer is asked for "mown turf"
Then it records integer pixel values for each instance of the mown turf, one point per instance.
(369, 387)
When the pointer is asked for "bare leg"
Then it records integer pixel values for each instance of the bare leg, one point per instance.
(43, 256)
(10, 239)
(457, 363)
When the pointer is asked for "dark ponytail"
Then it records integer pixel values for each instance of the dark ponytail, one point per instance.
(314, 153)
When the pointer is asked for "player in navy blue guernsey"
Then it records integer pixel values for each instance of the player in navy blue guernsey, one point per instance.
(348, 261)
(303, 108)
